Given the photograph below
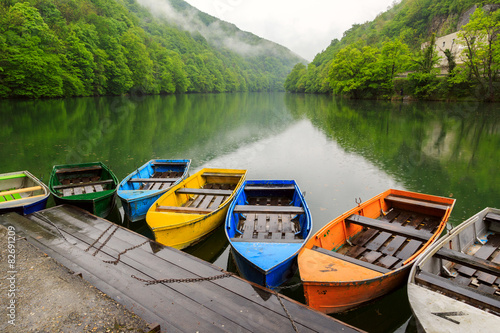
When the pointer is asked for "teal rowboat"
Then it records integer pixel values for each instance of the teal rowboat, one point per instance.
(91, 186)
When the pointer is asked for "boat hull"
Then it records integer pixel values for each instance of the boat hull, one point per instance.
(261, 252)
(27, 205)
(99, 203)
(180, 229)
(100, 206)
(340, 269)
(441, 307)
(136, 202)
(271, 278)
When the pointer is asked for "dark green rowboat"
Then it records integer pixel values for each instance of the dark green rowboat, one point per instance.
(91, 186)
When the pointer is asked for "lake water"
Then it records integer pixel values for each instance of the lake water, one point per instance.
(337, 151)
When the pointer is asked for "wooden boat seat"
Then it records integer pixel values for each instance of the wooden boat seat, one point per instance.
(269, 188)
(492, 217)
(405, 201)
(473, 262)
(83, 169)
(187, 210)
(204, 191)
(169, 163)
(393, 228)
(84, 184)
(468, 294)
(268, 209)
(152, 180)
(15, 193)
(225, 175)
(351, 260)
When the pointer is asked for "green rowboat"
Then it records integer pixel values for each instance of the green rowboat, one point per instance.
(91, 186)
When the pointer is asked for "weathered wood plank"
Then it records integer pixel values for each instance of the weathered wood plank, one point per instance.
(470, 295)
(268, 209)
(352, 260)
(101, 182)
(188, 210)
(411, 201)
(389, 227)
(476, 263)
(204, 191)
(410, 248)
(233, 303)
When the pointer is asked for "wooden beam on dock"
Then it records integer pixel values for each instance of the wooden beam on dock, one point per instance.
(85, 243)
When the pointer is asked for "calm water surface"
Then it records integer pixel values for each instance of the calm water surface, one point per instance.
(337, 151)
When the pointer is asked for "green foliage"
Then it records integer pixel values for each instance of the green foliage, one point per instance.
(55, 48)
(482, 51)
(395, 38)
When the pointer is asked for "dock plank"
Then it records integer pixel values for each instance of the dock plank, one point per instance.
(229, 304)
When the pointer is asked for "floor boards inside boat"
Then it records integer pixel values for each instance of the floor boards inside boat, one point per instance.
(92, 246)
(384, 249)
(268, 226)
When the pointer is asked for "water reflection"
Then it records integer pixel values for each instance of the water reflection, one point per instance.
(337, 151)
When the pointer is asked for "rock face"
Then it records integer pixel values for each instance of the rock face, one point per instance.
(49, 298)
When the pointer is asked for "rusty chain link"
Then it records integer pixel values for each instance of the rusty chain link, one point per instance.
(185, 280)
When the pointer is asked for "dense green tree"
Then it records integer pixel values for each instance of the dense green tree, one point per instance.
(354, 70)
(482, 50)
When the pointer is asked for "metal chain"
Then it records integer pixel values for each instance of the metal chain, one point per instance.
(186, 280)
(286, 311)
(115, 262)
(105, 231)
(285, 287)
(104, 243)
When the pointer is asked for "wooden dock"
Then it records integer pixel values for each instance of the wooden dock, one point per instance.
(187, 294)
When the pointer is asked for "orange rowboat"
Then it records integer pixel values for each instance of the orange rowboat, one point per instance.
(368, 251)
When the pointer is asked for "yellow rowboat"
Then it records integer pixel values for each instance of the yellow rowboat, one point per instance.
(195, 207)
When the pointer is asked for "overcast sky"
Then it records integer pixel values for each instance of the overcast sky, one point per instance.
(305, 27)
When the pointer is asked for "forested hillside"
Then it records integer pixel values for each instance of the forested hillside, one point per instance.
(62, 48)
(367, 60)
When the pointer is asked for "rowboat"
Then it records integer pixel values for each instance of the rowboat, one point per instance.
(140, 189)
(266, 225)
(192, 209)
(455, 284)
(91, 186)
(368, 251)
(21, 192)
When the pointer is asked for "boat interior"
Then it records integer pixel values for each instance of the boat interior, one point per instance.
(269, 215)
(389, 241)
(216, 188)
(468, 267)
(83, 180)
(17, 187)
(162, 178)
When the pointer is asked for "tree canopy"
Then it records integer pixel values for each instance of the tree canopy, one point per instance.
(62, 48)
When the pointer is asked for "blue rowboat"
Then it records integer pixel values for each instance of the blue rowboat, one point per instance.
(266, 225)
(23, 193)
(139, 190)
